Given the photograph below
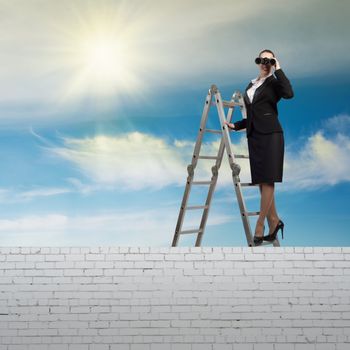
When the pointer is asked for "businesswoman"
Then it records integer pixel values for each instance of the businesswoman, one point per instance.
(265, 138)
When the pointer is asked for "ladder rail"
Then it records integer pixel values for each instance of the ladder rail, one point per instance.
(191, 167)
(201, 129)
(215, 172)
(235, 169)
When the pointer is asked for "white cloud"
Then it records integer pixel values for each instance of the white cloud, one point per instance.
(136, 161)
(188, 42)
(34, 223)
(339, 123)
(41, 48)
(322, 161)
(131, 161)
(82, 188)
(143, 228)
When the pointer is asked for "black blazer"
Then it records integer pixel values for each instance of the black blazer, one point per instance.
(262, 112)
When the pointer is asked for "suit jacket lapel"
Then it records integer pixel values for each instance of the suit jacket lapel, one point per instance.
(245, 95)
(258, 90)
(261, 87)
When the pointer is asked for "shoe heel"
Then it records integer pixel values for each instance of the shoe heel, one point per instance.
(282, 228)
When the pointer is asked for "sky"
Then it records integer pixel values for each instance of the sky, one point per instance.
(101, 101)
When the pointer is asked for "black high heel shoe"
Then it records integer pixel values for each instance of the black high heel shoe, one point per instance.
(259, 240)
(271, 237)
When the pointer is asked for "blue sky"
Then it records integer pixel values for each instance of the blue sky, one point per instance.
(101, 102)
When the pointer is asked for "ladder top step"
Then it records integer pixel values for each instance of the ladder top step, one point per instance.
(246, 184)
(231, 104)
(213, 131)
(241, 156)
(207, 157)
(197, 207)
(191, 231)
(201, 182)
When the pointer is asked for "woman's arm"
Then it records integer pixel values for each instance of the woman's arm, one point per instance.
(283, 86)
(238, 125)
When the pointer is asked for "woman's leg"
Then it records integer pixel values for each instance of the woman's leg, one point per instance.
(272, 216)
(267, 194)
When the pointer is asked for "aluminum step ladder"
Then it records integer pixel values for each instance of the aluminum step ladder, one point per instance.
(225, 143)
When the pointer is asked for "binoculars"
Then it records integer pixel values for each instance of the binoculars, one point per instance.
(265, 60)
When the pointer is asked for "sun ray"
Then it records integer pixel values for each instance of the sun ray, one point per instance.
(99, 55)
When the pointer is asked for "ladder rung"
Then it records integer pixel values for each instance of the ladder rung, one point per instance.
(213, 131)
(241, 156)
(231, 104)
(245, 184)
(207, 157)
(190, 231)
(252, 213)
(197, 207)
(201, 182)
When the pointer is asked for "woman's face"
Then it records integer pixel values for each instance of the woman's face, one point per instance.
(265, 68)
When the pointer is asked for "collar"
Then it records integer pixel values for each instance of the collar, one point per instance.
(262, 79)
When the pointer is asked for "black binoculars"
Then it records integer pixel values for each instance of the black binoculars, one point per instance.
(265, 60)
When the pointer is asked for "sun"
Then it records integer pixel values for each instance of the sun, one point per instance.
(103, 59)
(100, 52)
(103, 63)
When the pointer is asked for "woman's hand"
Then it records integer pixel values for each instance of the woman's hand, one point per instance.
(230, 125)
(277, 64)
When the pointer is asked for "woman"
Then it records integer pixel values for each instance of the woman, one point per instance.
(265, 138)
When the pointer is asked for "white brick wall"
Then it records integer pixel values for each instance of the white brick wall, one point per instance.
(145, 298)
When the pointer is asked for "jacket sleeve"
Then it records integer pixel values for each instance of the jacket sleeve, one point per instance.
(240, 124)
(283, 86)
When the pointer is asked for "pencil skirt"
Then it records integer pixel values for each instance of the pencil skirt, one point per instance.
(266, 154)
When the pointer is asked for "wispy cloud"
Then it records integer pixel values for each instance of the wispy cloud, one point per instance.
(143, 228)
(42, 192)
(136, 161)
(131, 161)
(20, 194)
(13, 195)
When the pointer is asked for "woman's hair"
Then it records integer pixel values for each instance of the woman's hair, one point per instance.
(266, 50)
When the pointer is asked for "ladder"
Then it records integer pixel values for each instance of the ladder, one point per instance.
(225, 143)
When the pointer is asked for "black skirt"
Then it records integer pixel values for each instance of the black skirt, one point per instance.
(266, 153)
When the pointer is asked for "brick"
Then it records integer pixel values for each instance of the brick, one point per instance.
(248, 298)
